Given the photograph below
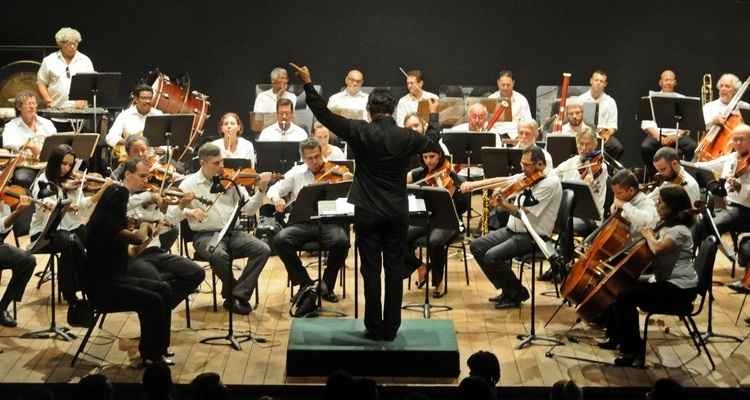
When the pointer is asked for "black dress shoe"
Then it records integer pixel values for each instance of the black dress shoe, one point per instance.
(330, 297)
(737, 287)
(237, 307)
(495, 299)
(507, 302)
(373, 335)
(607, 344)
(630, 360)
(168, 353)
(7, 320)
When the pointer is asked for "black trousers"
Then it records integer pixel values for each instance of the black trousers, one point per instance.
(438, 248)
(289, 240)
(21, 264)
(149, 299)
(181, 274)
(24, 176)
(63, 241)
(381, 246)
(649, 146)
(622, 320)
(494, 253)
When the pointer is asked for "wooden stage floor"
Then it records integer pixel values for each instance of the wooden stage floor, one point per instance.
(479, 326)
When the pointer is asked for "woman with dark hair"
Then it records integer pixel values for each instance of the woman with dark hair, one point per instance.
(59, 183)
(109, 287)
(439, 170)
(672, 285)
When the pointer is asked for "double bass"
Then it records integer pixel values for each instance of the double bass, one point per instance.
(717, 141)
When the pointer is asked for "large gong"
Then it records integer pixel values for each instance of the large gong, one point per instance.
(15, 77)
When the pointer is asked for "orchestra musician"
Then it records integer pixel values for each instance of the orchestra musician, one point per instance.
(267, 101)
(135, 146)
(382, 152)
(231, 142)
(18, 261)
(495, 251)
(667, 165)
(132, 120)
(110, 288)
(333, 236)
(636, 207)
(57, 183)
(574, 116)
(351, 97)
(477, 122)
(409, 102)
(528, 132)
(672, 286)
(727, 85)
(594, 174)
(54, 75)
(27, 132)
(607, 122)
(284, 128)
(437, 171)
(155, 263)
(235, 244)
(519, 106)
(657, 137)
(323, 136)
(413, 122)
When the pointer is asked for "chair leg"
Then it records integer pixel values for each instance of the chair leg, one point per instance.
(213, 289)
(101, 321)
(702, 342)
(466, 264)
(692, 334)
(739, 313)
(187, 311)
(15, 310)
(86, 338)
(645, 335)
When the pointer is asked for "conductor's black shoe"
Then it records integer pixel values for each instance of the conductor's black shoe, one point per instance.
(373, 335)
(237, 307)
(7, 320)
(495, 299)
(630, 360)
(607, 344)
(330, 297)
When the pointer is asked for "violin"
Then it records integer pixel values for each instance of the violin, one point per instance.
(331, 172)
(176, 193)
(592, 163)
(517, 186)
(11, 195)
(245, 176)
(440, 178)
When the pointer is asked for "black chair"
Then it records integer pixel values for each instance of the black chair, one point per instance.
(704, 267)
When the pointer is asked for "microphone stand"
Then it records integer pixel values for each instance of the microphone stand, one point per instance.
(230, 338)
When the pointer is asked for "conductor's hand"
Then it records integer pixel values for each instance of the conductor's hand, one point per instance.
(434, 106)
(303, 72)
(280, 205)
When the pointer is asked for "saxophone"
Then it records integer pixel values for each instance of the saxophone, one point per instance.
(485, 222)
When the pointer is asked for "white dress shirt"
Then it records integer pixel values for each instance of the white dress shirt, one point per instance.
(273, 133)
(17, 133)
(607, 109)
(567, 172)
(343, 100)
(294, 180)
(141, 207)
(542, 216)
(690, 185)
(4, 214)
(647, 123)
(56, 74)
(70, 220)
(336, 154)
(409, 104)
(129, 122)
(244, 149)
(224, 204)
(266, 101)
(641, 212)
(725, 166)
(568, 129)
(520, 112)
(716, 107)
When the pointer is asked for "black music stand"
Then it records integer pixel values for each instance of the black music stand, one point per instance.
(83, 144)
(561, 147)
(466, 148)
(230, 338)
(306, 210)
(237, 163)
(441, 214)
(95, 87)
(278, 156)
(678, 113)
(38, 246)
(501, 161)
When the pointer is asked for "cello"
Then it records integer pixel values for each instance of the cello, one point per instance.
(717, 141)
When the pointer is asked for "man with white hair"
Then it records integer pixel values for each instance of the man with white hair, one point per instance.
(54, 76)
(266, 101)
(352, 97)
(519, 106)
(712, 112)
(574, 115)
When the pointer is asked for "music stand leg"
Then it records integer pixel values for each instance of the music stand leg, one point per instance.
(427, 308)
(53, 331)
(528, 340)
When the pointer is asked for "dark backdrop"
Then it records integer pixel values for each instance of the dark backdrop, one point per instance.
(227, 47)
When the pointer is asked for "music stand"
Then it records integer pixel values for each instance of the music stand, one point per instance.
(92, 85)
(561, 147)
(237, 163)
(671, 112)
(466, 148)
(39, 245)
(276, 156)
(505, 161)
(306, 210)
(585, 206)
(83, 144)
(441, 214)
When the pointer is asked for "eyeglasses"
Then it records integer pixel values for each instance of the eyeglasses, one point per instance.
(67, 72)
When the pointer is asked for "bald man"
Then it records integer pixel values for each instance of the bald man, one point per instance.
(477, 116)
(352, 97)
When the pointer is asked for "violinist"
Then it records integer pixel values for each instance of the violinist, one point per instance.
(20, 262)
(290, 239)
(495, 251)
(667, 165)
(231, 142)
(206, 221)
(672, 286)
(323, 135)
(437, 171)
(135, 146)
(154, 262)
(58, 183)
(587, 167)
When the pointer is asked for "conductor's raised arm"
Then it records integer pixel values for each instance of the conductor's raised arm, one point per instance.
(339, 125)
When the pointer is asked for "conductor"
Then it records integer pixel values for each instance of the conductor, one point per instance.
(381, 211)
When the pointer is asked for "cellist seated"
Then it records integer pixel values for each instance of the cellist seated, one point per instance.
(636, 207)
(673, 285)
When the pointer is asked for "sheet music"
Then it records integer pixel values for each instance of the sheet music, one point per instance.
(220, 235)
(416, 205)
(340, 206)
